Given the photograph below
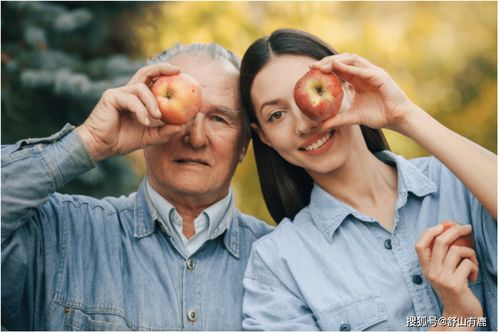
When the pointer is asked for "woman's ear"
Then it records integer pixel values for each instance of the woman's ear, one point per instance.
(260, 133)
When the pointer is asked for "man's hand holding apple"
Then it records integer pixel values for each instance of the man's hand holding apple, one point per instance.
(129, 117)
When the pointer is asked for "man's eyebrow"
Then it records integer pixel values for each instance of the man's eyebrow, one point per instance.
(228, 111)
(271, 102)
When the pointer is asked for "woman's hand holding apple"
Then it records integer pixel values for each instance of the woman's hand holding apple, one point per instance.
(376, 100)
(128, 118)
(448, 262)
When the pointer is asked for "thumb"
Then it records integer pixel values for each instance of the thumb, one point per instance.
(345, 118)
(162, 134)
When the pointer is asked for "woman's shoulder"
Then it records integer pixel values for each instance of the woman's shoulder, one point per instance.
(287, 233)
(432, 168)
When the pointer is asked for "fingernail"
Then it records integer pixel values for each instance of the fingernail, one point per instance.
(147, 121)
(157, 112)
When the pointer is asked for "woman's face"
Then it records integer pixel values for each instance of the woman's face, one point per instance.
(282, 126)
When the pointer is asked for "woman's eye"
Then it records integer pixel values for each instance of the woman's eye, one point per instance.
(276, 116)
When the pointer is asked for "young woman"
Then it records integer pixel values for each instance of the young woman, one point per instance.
(361, 245)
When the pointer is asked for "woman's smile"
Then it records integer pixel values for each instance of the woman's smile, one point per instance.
(318, 146)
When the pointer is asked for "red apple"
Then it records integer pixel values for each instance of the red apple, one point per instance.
(318, 95)
(461, 241)
(179, 98)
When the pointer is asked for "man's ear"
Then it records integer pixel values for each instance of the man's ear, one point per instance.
(244, 149)
(260, 133)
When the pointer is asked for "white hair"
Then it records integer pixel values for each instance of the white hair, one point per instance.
(213, 50)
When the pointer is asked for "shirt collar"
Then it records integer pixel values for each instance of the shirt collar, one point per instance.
(328, 212)
(146, 217)
(214, 213)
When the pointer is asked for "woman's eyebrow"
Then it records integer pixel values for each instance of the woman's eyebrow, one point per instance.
(271, 102)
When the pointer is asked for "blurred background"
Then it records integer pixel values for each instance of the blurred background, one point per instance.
(58, 57)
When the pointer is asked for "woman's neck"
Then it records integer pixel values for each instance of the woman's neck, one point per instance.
(364, 183)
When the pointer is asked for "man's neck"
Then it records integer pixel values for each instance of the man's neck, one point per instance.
(188, 206)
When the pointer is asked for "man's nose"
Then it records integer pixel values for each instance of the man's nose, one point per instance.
(196, 132)
(304, 124)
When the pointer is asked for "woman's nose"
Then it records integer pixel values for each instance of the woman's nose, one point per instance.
(304, 124)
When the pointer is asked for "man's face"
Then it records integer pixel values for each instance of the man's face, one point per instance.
(200, 161)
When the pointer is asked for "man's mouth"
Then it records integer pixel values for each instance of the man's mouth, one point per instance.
(318, 143)
(191, 161)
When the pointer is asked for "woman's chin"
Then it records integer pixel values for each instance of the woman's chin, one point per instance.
(321, 168)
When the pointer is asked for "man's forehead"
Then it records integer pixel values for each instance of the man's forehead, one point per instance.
(192, 63)
(218, 78)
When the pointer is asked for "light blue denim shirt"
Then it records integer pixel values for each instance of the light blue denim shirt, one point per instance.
(333, 268)
(78, 263)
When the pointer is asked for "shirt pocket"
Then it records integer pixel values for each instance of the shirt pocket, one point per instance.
(77, 320)
(363, 313)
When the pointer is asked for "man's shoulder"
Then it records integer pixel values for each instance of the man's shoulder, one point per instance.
(252, 225)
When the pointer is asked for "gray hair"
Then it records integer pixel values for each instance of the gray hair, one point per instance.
(213, 50)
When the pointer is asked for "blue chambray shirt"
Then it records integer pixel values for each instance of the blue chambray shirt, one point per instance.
(78, 263)
(333, 268)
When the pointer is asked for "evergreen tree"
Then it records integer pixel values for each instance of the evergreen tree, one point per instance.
(57, 59)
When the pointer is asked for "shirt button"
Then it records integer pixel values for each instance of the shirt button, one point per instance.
(192, 316)
(417, 279)
(345, 327)
(190, 264)
(388, 244)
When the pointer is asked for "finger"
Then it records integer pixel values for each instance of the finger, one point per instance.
(341, 119)
(147, 73)
(162, 134)
(147, 98)
(348, 72)
(351, 59)
(131, 103)
(345, 58)
(466, 270)
(157, 123)
(443, 242)
(325, 64)
(423, 245)
(457, 253)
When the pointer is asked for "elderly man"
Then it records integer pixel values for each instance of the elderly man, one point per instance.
(170, 256)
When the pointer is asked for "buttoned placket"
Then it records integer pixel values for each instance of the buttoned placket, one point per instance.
(190, 286)
(408, 263)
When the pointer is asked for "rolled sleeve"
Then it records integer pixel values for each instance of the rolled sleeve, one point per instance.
(32, 169)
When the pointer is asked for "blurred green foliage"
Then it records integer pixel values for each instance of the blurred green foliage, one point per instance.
(57, 59)
(442, 54)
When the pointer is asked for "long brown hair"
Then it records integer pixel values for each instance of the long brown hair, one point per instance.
(286, 188)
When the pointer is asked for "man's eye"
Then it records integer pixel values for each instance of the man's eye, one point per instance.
(276, 115)
(217, 119)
